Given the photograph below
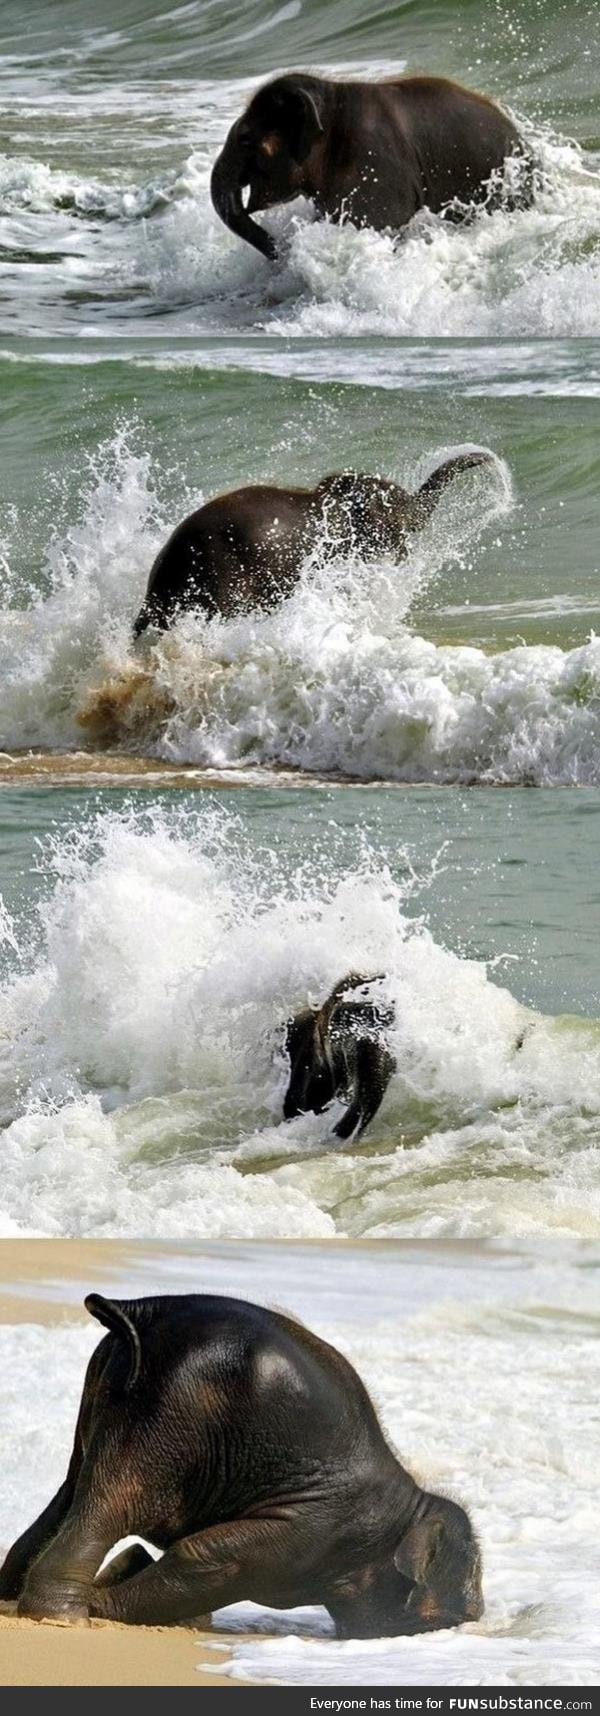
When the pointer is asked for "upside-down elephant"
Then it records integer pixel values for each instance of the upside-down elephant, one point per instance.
(249, 1451)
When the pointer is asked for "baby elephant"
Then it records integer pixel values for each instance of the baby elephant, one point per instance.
(373, 153)
(339, 1049)
(249, 1451)
(245, 549)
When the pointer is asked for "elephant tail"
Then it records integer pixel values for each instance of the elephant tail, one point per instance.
(112, 1314)
(430, 491)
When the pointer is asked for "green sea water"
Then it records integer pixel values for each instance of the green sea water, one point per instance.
(153, 944)
(474, 659)
(110, 123)
(510, 878)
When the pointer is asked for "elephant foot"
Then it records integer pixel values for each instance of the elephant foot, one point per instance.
(59, 1604)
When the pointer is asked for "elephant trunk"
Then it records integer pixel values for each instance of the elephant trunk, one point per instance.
(229, 177)
(429, 493)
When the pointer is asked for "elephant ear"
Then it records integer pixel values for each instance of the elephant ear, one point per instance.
(419, 1548)
(299, 1032)
(298, 117)
(347, 495)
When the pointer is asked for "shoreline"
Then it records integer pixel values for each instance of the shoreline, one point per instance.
(94, 768)
(527, 1306)
(34, 1271)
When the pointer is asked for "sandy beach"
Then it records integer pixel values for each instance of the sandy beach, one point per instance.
(33, 1276)
(43, 1653)
(29, 1265)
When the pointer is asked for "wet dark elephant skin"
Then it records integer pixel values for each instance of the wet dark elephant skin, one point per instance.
(249, 1451)
(245, 550)
(374, 153)
(340, 1050)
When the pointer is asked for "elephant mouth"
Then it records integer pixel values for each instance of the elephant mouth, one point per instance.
(430, 1623)
(426, 1613)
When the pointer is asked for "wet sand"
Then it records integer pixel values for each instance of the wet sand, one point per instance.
(34, 1273)
(87, 768)
(46, 1653)
(119, 769)
(29, 1265)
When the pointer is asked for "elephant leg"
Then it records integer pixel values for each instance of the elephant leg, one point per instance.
(60, 1581)
(27, 1547)
(373, 1071)
(38, 1536)
(124, 1566)
(243, 1559)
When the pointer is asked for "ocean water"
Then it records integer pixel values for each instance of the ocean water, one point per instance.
(154, 946)
(111, 124)
(423, 1325)
(474, 660)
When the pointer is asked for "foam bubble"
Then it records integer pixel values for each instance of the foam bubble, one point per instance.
(38, 188)
(92, 571)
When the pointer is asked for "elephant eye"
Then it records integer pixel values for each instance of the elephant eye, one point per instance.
(270, 145)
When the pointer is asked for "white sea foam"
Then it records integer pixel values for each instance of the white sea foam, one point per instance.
(511, 274)
(38, 188)
(468, 369)
(336, 680)
(142, 1075)
(513, 1335)
(157, 246)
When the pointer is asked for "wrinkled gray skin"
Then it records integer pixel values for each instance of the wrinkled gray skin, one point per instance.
(249, 1451)
(374, 153)
(245, 550)
(339, 1050)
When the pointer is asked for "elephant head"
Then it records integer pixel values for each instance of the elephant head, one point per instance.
(439, 1556)
(312, 1082)
(431, 1581)
(265, 154)
(317, 1043)
(366, 512)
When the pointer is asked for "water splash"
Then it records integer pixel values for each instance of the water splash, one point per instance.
(142, 1069)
